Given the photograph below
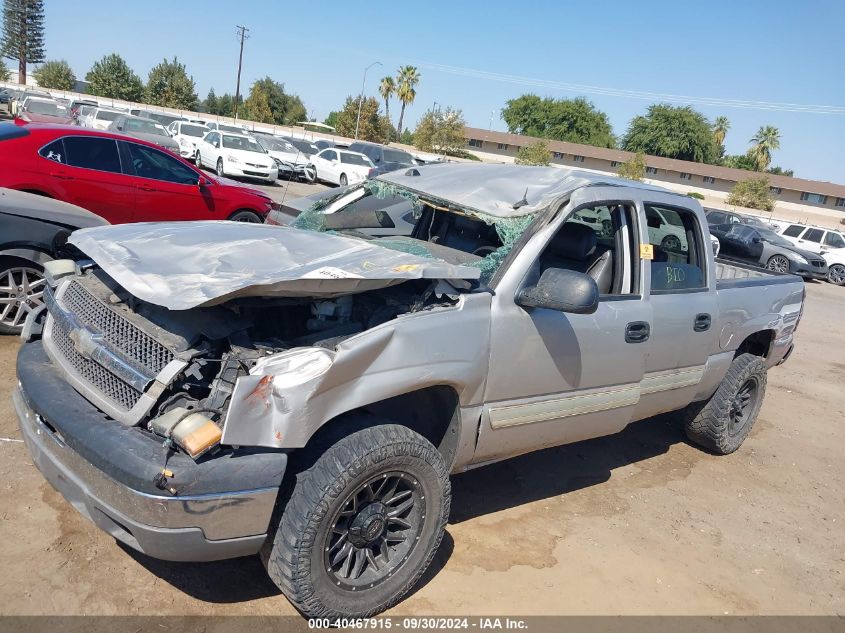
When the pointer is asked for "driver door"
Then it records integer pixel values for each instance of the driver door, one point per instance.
(557, 377)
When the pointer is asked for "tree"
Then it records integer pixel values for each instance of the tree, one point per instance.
(226, 104)
(573, 120)
(5, 73)
(720, 129)
(633, 169)
(406, 82)
(257, 106)
(210, 104)
(739, 161)
(169, 85)
(386, 88)
(534, 154)
(57, 75)
(407, 137)
(287, 109)
(331, 120)
(441, 130)
(371, 125)
(764, 142)
(23, 33)
(112, 77)
(672, 132)
(752, 193)
(780, 171)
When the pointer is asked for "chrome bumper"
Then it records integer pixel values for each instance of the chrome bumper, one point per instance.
(184, 528)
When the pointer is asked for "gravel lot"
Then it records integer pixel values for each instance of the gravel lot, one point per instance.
(637, 523)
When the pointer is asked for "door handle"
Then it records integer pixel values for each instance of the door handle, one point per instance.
(702, 322)
(146, 188)
(637, 332)
(60, 175)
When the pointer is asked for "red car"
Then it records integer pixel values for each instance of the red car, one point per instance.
(119, 178)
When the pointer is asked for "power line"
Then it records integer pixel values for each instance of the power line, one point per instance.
(242, 35)
(633, 94)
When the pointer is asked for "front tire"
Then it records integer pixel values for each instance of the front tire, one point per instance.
(836, 274)
(198, 160)
(21, 292)
(343, 180)
(245, 216)
(721, 423)
(778, 263)
(362, 524)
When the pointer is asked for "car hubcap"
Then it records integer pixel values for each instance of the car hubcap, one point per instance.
(779, 264)
(21, 292)
(742, 406)
(375, 531)
(837, 274)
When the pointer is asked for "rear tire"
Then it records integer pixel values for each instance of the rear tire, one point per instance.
(362, 524)
(220, 168)
(198, 160)
(721, 423)
(21, 291)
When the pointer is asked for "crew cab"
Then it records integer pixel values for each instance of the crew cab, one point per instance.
(207, 391)
(119, 178)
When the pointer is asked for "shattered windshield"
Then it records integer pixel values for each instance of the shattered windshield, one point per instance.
(396, 218)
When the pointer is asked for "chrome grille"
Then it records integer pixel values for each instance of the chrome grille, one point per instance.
(123, 395)
(118, 332)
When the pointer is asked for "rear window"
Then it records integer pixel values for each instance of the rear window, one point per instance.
(814, 235)
(8, 131)
(193, 130)
(396, 156)
(352, 159)
(105, 115)
(794, 231)
(55, 151)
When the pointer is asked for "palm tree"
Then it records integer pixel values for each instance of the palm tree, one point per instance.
(386, 88)
(765, 141)
(720, 129)
(407, 79)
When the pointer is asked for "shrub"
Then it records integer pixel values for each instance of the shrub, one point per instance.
(696, 195)
(752, 193)
(633, 169)
(534, 154)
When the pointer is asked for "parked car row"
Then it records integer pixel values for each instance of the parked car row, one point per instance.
(753, 241)
(120, 178)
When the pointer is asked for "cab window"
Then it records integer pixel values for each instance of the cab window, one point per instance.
(814, 235)
(90, 152)
(151, 163)
(679, 260)
(794, 231)
(599, 241)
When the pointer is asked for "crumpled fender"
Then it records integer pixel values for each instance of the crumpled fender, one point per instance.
(386, 361)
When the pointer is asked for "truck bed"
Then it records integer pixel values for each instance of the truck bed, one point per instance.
(736, 275)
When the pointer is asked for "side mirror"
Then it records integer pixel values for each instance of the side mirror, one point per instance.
(756, 240)
(562, 290)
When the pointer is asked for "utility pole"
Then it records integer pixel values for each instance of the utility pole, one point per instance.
(242, 35)
(361, 97)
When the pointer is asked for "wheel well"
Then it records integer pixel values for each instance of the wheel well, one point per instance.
(36, 192)
(758, 344)
(432, 412)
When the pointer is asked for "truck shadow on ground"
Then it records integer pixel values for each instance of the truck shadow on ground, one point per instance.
(515, 482)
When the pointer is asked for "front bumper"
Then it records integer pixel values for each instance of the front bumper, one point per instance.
(103, 469)
(238, 170)
(808, 271)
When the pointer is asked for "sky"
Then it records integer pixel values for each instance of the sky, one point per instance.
(474, 56)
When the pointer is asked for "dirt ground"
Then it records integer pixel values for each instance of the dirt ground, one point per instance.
(637, 523)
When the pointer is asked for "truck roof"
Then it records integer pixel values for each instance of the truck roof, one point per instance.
(502, 190)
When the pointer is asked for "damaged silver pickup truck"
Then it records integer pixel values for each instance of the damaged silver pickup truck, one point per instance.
(210, 390)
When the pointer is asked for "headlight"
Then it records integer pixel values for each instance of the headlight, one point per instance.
(797, 258)
(232, 159)
(294, 367)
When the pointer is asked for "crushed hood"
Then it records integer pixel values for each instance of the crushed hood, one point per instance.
(183, 265)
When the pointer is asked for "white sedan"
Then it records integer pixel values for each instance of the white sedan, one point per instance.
(340, 166)
(187, 135)
(235, 155)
